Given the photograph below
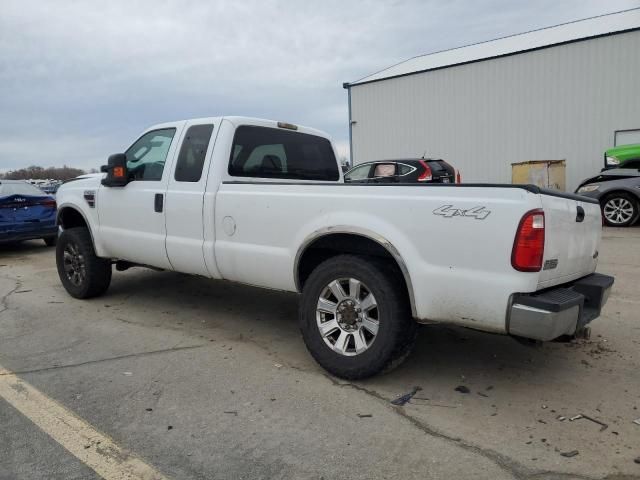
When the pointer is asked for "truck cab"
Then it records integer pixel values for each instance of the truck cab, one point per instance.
(161, 213)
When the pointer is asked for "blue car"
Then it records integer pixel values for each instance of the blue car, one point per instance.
(26, 213)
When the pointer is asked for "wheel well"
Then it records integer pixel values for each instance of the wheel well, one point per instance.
(335, 244)
(70, 218)
(617, 192)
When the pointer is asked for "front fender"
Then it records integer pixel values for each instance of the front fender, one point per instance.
(87, 218)
(621, 188)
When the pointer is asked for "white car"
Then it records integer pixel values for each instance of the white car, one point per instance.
(264, 203)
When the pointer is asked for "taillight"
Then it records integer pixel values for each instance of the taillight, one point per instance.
(50, 202)
(458, 177)
(528, 246)
(425, 176)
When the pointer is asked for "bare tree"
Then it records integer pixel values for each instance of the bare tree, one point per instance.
(37, 172)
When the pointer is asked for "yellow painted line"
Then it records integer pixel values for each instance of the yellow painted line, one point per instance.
(94, 449)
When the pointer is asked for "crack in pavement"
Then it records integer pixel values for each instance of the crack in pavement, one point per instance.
(507, 464)
(4, 301)
(101, 360)
(248, 340)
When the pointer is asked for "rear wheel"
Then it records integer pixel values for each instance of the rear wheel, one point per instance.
(82, 273)
(619, 209)
(355, 317)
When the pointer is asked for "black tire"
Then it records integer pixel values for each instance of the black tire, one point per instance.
(51, 241)
(396, 331)
(620, 197)
(97, 271)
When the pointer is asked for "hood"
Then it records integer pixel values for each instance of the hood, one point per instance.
(624, 152)
(612, 177)
(86, 175)
(89, 180)
(608, 175)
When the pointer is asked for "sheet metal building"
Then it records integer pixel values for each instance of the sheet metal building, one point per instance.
(567, 92)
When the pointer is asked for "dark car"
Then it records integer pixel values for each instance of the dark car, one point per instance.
(26, 213)
(618, 191)
(51, 188)
(421, 170)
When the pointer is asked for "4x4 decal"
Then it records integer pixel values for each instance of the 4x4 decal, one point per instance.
(448, 211)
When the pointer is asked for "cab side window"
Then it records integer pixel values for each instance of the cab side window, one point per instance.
(147, 156)
(192, 153)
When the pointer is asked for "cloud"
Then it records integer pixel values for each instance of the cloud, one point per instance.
(69, 149)
(79, 80)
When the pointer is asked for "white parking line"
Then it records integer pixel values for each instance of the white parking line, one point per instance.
(91, 447)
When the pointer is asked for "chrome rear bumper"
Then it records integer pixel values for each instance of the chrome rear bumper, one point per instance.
(558, 311)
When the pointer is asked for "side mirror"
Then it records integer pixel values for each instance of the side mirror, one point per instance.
(116, 170)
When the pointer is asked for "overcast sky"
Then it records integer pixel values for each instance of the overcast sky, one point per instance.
(80, 79)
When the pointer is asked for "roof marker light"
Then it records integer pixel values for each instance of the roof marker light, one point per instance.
(289, 126)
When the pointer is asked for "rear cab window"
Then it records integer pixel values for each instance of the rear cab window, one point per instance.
(264, 152)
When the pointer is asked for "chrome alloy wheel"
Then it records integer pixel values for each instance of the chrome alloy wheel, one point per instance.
(618, 210)
(74, 264)
(347, 316)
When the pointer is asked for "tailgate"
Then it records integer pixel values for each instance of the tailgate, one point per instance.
(572, 239)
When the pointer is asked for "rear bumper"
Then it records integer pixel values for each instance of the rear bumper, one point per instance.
(558, 311)
(17, 236)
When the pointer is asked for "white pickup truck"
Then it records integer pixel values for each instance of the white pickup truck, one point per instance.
(263, 203)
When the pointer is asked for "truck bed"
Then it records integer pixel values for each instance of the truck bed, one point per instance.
(459, 265)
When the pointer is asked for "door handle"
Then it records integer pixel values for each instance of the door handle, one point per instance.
(158, 202)
(580, 214)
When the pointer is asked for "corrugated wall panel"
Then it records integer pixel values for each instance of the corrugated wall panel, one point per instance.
(563, 102)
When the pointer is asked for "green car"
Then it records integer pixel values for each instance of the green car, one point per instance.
(624, 156)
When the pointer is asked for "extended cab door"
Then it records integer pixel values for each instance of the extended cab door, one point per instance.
(185, 199)
(132, 218)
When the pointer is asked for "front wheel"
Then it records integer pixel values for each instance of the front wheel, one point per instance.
(355, 317)
(82, 273)
(619, 209)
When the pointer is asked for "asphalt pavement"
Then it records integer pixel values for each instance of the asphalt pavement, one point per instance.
(199, 379)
